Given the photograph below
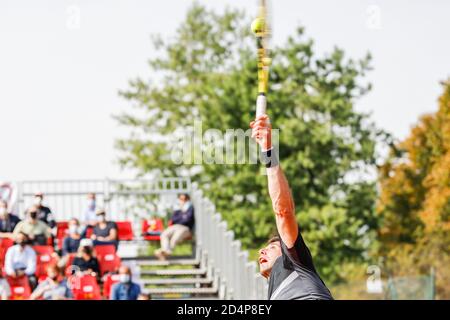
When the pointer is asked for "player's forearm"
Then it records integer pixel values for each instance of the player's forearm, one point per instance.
(282, 202)
(279, 192)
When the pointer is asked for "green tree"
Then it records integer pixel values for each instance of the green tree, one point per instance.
(208, 72)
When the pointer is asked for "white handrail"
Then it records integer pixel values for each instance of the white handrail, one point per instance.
(225, 253)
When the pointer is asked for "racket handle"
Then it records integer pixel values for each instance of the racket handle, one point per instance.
(261, 105)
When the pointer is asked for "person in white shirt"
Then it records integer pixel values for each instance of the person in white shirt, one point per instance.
(20, 259)
(89, 218)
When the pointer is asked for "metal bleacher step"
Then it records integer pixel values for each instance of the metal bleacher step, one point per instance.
(173, 272)
(174, 262)
(176, 281)
(161, 291)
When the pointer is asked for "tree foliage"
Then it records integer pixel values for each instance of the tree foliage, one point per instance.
(415, 182)
(208, 72)
(414, 202)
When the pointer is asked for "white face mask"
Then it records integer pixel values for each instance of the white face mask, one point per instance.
(3, 211)
(91, 203)
(73, 229)
(101, 218)
(186, 206)
(124, 278)
(37, 201)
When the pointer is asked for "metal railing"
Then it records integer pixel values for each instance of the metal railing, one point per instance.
(122, 199)
(130, 200)
(237, 275)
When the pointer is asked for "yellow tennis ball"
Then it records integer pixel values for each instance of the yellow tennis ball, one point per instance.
(258, 25)
(267, 61)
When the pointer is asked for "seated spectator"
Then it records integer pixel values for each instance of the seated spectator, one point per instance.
(36, 230)
(54, 287)
(125, 289)
(105, 232)
(85, 261)
(182, 224)
(89, 219)
(8, 221)
(5, 289)
(20, 259)
(72, 241)
(43, 213)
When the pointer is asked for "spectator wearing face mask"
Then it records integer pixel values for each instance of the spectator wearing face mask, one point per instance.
(20, 259)
(89, 216)
(54, 287)
(182, 224)
(85, 261)
(43, 213)
(36, 230)
(72, 241)
(8, 221)
(105, 232)
(125, 289)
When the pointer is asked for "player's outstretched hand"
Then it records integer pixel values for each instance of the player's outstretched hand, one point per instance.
(262, 131)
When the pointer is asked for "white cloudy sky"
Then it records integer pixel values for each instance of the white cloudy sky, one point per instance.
(58, 85)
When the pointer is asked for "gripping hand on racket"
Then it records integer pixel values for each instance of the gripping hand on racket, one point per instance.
(262, 132)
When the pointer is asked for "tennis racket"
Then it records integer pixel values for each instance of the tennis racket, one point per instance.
(262, 30)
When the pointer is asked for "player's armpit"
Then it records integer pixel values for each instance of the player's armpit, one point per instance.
(283, 205)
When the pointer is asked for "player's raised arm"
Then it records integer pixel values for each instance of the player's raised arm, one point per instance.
(279, 191)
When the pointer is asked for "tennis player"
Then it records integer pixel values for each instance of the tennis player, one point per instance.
(286, 260)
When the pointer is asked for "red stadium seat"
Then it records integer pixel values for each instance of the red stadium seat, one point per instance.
(89, 232)
(108, 281)
(20, 288)
(43, 250)
(44, 259)
(125, 231)
(152, 225)
(50, 241)
(5, 243)
(61, 232)
(84, 287)
(108, 260)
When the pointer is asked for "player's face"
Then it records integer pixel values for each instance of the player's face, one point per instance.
(267, 257)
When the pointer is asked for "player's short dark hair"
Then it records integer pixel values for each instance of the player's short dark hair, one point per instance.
(274, 239)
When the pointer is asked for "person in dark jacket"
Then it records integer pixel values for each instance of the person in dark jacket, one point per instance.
(105, 232)
(43, 213)
(85, 261)
(8, 221)
(183, 221)
(72, 241)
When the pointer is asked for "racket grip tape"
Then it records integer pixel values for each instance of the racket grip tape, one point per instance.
(261, 105)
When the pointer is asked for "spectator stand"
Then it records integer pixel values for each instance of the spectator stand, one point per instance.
(217, 267)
